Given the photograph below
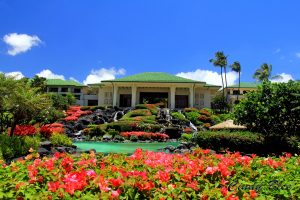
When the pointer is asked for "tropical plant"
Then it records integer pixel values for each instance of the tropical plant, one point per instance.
(236, 67)
(220, 60)
(264, 73)
(39, 82)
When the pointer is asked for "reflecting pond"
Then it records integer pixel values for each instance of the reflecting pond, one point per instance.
(110, 147)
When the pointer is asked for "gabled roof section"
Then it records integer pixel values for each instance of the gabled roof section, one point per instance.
(154, 77)
(245, 85)
(211, 85)
(60, 82)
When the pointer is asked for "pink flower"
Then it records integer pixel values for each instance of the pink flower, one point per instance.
(211, 170)
(224, 191)
(53, 186)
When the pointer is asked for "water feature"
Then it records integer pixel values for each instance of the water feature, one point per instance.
(118, 115)
(192, 126)
(109, 147)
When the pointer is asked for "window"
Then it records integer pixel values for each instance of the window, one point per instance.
(64, 89)
(236, 92)
(92, 102)
(77, 97)
(53, 89)
(77, 90)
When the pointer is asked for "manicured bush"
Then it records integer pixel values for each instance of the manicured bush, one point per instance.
(248, 142)
(121, 126)
(31, 142)
(139, 112)
(186, 137)
(205, 111)
(152, 107)
(119, 138)
(95, 131)
(58, 139)
(112, 132)
(84, 108)
(193, 117)
(148, 127)
(133, 138)
(97, 107)
(179, 116)
(144, 135)
(190, 110)
(269, 110)
(152, 175)
(226, 116)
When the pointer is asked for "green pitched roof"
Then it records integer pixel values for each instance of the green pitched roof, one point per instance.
(60, 82)
(154, 77)
(211, 85)
(245, 85)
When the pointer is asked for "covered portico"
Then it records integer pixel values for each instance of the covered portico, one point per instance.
(176, 92)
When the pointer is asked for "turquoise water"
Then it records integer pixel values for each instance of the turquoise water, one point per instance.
(110, 147)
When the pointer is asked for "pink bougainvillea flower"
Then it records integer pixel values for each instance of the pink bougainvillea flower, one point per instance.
(211, 170)
(224, 191)
(53, 186)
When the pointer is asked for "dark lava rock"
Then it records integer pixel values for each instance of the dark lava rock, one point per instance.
(43, 151)
(173, 132)
(46, 144)
(85, 121)
(99, 121)
(79, 126)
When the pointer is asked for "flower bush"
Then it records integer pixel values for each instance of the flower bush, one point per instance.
(48, 129)
(145, 135)
(74, 112)
(150, 175)
(22, 130)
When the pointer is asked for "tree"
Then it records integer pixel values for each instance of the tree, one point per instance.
(263, 73)
(19, 102)
(236, 67)
(39, 82)
(220, 60)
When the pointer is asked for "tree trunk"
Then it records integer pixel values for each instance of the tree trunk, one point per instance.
(13, 126)
(237, 97)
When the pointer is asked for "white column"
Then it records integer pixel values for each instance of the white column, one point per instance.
(133, 96)
(207, 99)
(191, 97)
(172, 91)
(115, 95)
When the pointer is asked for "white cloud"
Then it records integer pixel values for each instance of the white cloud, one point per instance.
(96, 76)
(298, 54)
(17, 74)
(209, 77)
(20, 43)
(277, 50)
(73, 79)
(48, 74)
(283, 78)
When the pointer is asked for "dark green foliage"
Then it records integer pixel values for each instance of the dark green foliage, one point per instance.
(234, 141)
(49, 115)
(60, 140)
(133, 138)
(38, 82)
(97, 107)
(112, 132)
(139, 112)
(119, 138)
(148, 127)
(83, 108)
(14, 146)
(95, 130)
(269, 109)
(121, 126)
(58, 101)
(180, 116)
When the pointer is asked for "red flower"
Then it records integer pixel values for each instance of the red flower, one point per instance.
(67, 164)
(193, 185)
(116, 182)
(211, 170)
(232, 197)
(53, 186)
(224, 191)
(163, 176)
(253, 194)
(145, 185)
(22, 130)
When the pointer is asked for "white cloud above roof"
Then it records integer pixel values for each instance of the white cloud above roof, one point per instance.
(17, 74)
(210, 77)
(96, 76)
(20, 43)
(48, 74)
(283, 78)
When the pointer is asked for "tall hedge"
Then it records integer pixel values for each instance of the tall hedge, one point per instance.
(269, 110)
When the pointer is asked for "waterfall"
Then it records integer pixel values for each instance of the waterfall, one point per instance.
(193, 126)
(115, 118)
(167, 113)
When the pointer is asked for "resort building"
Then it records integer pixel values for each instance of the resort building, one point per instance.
(233, 92)
(154, 87)
(82, 93)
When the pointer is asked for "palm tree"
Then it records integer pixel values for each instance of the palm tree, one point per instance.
(263, 73)
(220, 60)
(236, 67)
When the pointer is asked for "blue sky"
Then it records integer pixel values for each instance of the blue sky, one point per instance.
(94, 40)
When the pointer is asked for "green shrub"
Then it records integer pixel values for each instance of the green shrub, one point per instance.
(13, 147)
(133, 138)
(193, 117)
(226, 116)
(121, 126)
(178, 115)
(97, 107)
(60, 140)
(112, 132)
(119, 138)
(191, 110)
(186, 137)
(83, 108)
(140, 112)
(269, 110)
(95, 130)
(234, 141)
(31, 142)
(148, 127)
(152, 107)
(216, 119)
